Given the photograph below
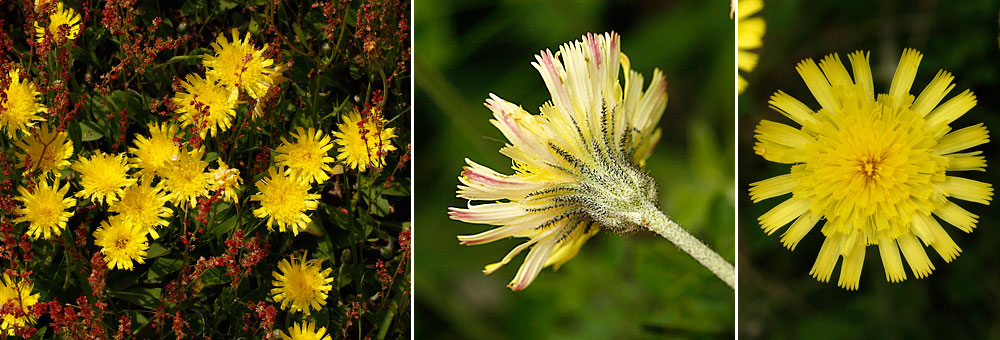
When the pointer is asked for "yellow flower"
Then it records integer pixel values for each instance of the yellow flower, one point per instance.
(238, 64)
(19, 108)
(877, 168)
(284, 201)
(364, 143)
(207, 105)
(121, 243)
(47, 150)
(276, 78)
(45, 208)
(307, 159)
(226, 179)
(187, 180)
(60, 17)
(751, 33)
(585, 148)
(12, 289)
(306, 331)
(302, 285)
(104, 177)
(155, 154)
(144, 206)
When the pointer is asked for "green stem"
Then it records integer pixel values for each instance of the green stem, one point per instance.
(653, 219)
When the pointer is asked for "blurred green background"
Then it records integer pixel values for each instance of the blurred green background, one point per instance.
(633, 286)
(960, 300)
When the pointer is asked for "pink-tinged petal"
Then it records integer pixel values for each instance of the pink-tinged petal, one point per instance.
(482, 183)
(595, 48)
(525, 225)
(493, 213)
(548, 66)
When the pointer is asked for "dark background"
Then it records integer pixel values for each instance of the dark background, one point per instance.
(778, 298)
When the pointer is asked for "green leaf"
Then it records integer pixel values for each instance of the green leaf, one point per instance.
(89, 131)
(213, 276)
(156, 250)
(164, 266)
(226, 226)
(192, 7)
(143, 297)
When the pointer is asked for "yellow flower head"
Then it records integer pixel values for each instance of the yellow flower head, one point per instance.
(276, 78)
(226, 179)
(19, 291)
(157, 153)
(305, 331)
(364, 142)
(104, 177)
(238, 64)
(301, 285)
(144, 206)
(187, 180)
(46, 151)
(62, 16)
(584, 149)
(877, 168)
(284, 201)
(207, 105)
(751, 33)
(121, 243)
(307, 159)
(45, 208)
(20, 107)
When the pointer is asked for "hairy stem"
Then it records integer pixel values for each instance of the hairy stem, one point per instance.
(653, 219)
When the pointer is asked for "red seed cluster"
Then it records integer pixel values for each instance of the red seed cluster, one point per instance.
(67, 323)
(139, 45)
(265, 315)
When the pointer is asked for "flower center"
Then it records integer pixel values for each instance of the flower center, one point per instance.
(121, 243)
(870, 167)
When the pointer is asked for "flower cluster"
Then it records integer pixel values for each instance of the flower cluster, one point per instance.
(154, 170)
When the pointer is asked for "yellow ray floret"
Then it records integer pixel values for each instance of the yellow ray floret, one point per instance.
(305, 331)
(19, 107)
(144, 206)
(45, 150)
(156, 154)
(64, 24)
(205, 104)
(104, 177)
(187, 180)
(238, 64)
(307, 159)
(227, 180)
(284, 201)
(364, 142)
(17, 291)
(121, 243)
(45, 208)
(876, 168)
(750, 32)
(301, 285)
